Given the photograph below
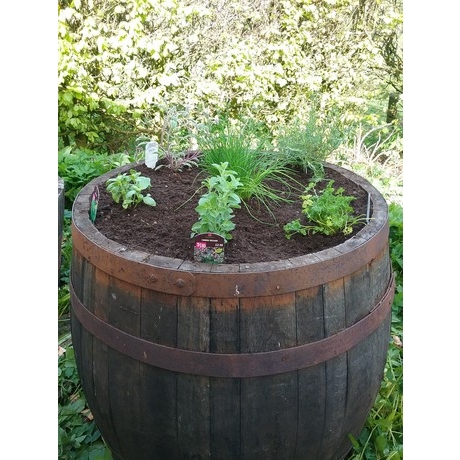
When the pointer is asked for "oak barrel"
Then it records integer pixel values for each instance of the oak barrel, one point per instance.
(187, 360)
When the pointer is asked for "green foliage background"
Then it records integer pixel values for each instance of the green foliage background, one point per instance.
(122, 64)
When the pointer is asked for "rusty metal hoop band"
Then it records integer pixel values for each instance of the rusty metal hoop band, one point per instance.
(235, 365)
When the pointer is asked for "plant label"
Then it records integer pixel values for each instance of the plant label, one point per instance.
(93, 202)
(209, 247)
(151, 154)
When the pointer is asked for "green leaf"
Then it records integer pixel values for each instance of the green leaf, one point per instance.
(148, 200)
(381, 444)
(353, 440)
(143, 182)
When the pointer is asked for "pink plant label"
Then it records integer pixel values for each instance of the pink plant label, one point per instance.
(209, 247)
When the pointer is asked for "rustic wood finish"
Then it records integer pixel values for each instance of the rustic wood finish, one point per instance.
(149, 412)
(233, 364)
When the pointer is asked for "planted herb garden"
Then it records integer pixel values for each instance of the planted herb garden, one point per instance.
(261, 331)
(241, 187)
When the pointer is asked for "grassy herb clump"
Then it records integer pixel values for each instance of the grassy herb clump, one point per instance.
(246, 148)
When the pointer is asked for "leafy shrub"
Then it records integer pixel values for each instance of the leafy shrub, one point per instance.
(77, 167)
(117, 62)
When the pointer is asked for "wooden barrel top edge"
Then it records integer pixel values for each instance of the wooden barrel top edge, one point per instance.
(182, 277)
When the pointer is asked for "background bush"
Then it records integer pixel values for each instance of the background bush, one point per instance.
(122, 64)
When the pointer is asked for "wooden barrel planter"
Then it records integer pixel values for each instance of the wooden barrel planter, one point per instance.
(185, 360)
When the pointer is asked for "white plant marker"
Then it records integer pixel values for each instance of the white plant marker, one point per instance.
(151, 154)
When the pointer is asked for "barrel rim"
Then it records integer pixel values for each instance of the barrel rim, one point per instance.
(184, 277)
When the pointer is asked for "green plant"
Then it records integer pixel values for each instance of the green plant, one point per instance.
(64, 274)
(128, 189)
(177, 145)
(395, 217)
(179, 160)
(79, 166)
(245, 146)
(376, 153)
(329, 210)
(215, 208)
(382, 435)
(308, 144)
(395, 214)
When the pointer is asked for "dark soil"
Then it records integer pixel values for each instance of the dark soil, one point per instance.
(258, 237)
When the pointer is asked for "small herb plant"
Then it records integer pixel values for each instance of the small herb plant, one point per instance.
(308, 143)
(177, 144)
(215, 208)
(177, 161)
(329, 210)
(128, 189)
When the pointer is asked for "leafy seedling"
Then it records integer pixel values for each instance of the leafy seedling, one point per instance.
(128, 188)
(329, 211)
(215, 208)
